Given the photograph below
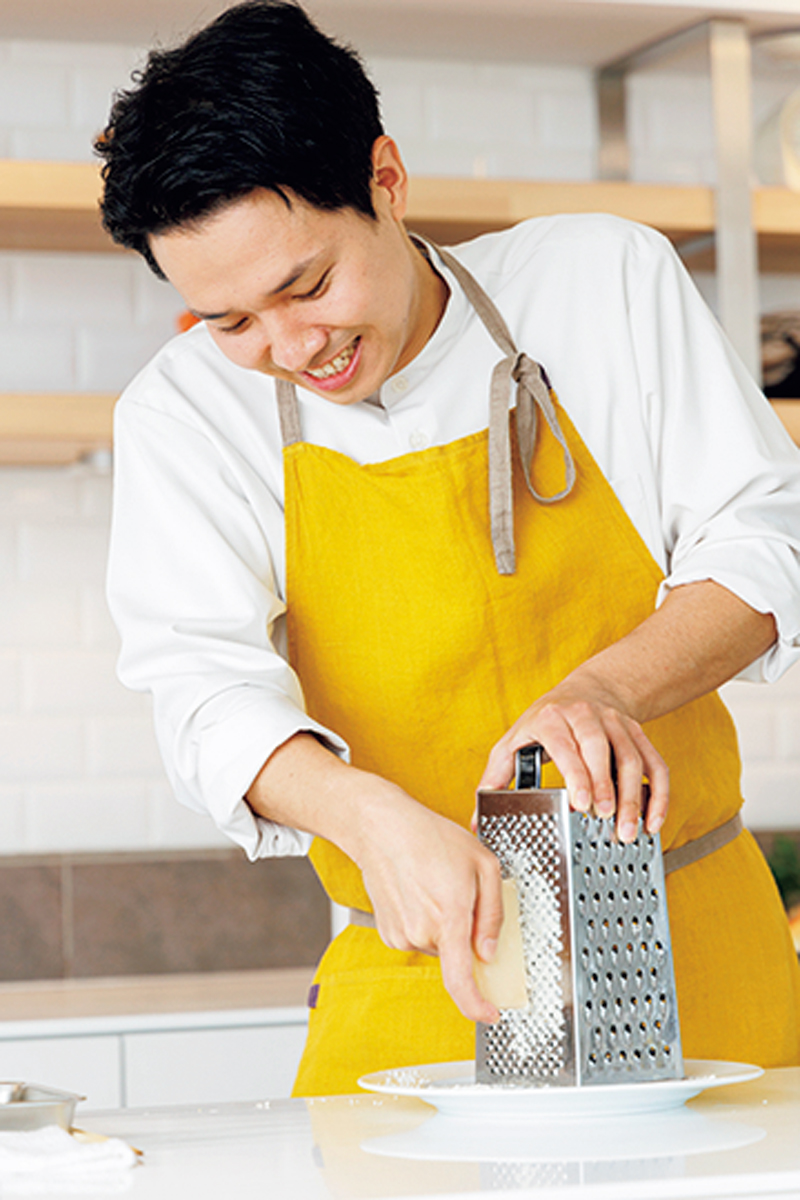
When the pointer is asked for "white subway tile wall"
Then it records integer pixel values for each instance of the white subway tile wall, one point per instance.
(768, 723)
(79, 767)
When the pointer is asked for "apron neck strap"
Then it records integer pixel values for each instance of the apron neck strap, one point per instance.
(533, 396)
(288, 412)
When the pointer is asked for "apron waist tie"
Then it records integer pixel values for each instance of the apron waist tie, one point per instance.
(674, 860)
(693, 851)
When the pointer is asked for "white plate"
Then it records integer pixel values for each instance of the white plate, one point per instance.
(451, 1088)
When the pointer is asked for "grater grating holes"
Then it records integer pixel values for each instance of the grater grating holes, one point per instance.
(633, 922)
(610, 947)
(531, 1042)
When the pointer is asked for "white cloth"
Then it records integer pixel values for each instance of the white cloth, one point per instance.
(49, 1161)
(196, 580)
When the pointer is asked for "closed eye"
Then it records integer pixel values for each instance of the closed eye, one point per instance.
(236, 328)
(317, 289)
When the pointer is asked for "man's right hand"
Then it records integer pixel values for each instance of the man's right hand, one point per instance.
(433, 886)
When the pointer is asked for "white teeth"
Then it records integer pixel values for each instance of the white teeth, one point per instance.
(336, 365)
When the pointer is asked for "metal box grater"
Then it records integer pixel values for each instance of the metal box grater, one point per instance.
(598, 961)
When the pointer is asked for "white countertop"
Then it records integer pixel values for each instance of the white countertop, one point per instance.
(66, 1007)
(741, 1140)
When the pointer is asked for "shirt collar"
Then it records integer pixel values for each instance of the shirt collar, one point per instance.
(457, 313)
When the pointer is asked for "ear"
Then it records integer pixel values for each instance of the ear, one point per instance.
(389, 178)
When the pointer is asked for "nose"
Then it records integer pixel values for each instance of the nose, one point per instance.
(292, 343)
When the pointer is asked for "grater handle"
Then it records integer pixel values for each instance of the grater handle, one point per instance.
(528, 762)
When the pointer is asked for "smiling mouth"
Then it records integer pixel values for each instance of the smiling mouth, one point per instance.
(337, 365)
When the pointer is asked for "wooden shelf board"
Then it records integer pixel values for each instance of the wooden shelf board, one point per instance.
(54, 206)
(50, 185)
(484, 204)
(51, 206)
(54, 428)
(84, 415)
(54, 229)
(776, 211)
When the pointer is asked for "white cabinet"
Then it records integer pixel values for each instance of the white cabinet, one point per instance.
(163, 1058)
(89, 1066)
(209, 1066)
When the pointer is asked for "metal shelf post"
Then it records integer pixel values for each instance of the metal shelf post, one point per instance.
(735, 236)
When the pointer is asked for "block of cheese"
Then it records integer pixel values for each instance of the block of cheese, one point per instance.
(502, 981)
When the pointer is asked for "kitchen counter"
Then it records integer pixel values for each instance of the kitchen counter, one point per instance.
(741, 1140)
(64, 1004)
(175, 1039)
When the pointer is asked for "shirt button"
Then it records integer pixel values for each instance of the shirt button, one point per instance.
(400, 384)
(418, 440)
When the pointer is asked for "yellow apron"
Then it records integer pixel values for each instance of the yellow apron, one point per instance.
(411, 644)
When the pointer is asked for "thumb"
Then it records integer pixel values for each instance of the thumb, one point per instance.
(499, 769)
(488, 915)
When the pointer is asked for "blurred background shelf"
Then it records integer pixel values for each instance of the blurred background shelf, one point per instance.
(456, 209)
(54, 206)
(54, 428)
(50, 206)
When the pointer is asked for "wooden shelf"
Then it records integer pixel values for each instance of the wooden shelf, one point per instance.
(470, 206)
(54, 428)
(455, 209)
(54, 206)
(51, 206)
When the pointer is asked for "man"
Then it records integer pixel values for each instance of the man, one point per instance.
(322, 553)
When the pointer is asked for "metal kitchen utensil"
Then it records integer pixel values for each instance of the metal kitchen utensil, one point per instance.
(601, 990)
(26, 1106)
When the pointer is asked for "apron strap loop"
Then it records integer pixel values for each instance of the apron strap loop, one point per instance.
(533, 393)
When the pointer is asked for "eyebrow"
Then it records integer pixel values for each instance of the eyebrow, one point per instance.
(296, 273)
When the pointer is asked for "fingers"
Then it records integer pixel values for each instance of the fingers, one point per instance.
(435, 889)
(452, 938)
(584, 738)
(656, 799)
(456, 946)
(455, 956)
(488, 911)
(500, 766)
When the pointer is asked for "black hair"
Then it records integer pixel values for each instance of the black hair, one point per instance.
(260, 98)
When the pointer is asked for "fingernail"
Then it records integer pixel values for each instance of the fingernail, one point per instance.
(654, 825)
(582, 800)
(627, 831)
(605, 809)
(488, 949)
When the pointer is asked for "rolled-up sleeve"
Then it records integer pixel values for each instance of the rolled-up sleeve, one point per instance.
(727, 471)
(191, 586)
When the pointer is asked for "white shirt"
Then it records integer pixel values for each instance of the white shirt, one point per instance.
(703, 468)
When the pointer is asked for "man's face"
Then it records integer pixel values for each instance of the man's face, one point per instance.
(332, 301)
